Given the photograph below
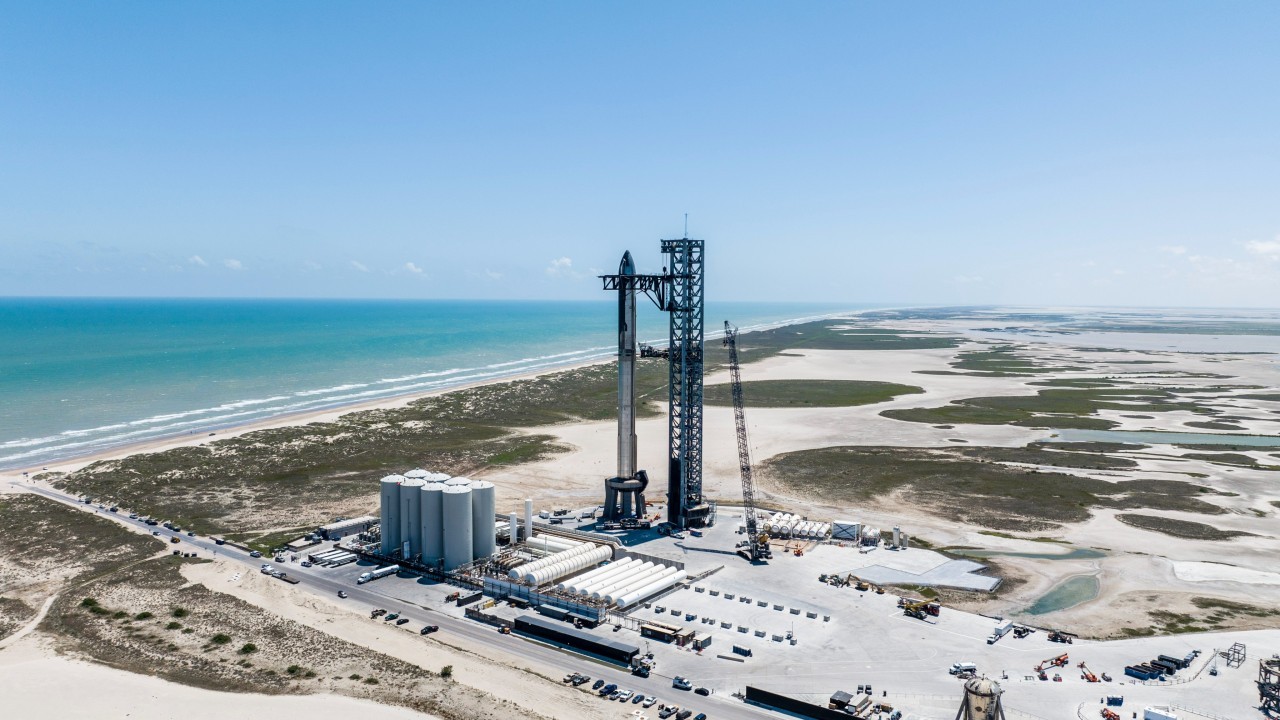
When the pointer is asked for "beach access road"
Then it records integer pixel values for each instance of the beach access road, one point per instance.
(466, 636)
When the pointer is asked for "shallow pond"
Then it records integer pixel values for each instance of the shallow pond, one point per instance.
(1074, 554)
(1068, 593)
(1153, 437)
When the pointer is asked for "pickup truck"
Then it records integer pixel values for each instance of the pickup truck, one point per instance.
(680, 683)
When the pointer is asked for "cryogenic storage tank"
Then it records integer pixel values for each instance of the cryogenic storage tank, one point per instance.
(603, 589)
(635, 583)
(411, 515)
(657, 586)
(458, 543)
(389, 512)
(436, 477)
(417, 474)
(551, 559)
(590, 577)
(606, 584)
(432, 511)
(870, 536)
(603, 576)
(482, 514)
(576, 563)
(458, 481)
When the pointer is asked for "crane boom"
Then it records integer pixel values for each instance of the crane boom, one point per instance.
(758, 546)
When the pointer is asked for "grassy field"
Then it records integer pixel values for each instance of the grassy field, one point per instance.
(147, 619)
(45, 544)
(1179, 528)
(974, 485)
(809, 393)
(1050, 408)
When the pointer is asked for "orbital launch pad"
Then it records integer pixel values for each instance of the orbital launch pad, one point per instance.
(678, 291)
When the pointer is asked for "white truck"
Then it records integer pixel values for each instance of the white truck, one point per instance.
(963, 667)
(1000, 631)
(379, 573)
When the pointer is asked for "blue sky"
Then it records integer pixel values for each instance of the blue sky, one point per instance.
(986, 152)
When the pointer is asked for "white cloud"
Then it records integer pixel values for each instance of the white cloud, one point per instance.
(359, 266)
(197, 260)
(493, 275)
(413, 268)
(1269, 249)
(968, 279)
(233, 264)
(561, 267)
(310, 265)
(1174, 249)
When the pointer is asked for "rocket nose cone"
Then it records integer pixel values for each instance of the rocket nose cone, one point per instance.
(627, 266)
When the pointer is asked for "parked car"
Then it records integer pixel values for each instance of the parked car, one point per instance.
(668, 711)
(581, 680)
(683, 714)
(191, 533)
(255, 554)
(306, 563)
(391, 616)
(650, 701)
(598, 684)
(342, 594)
(133, 516)
(155, 532)
(402, 621)
(639, 698)
(608, 689)
(625, 695)
(427, 630)
(680, 683)
(702, 691)
(700, 716)
(615, 694)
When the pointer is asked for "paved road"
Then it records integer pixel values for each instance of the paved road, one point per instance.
(364, 598)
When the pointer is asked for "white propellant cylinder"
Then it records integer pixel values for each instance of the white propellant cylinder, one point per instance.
(513, 531)
(602, 589)
(432, 511)
(590, 577)
(651, 589)
(484, 543)
(636, 583)
(458, 530)
(610, 580)
(518, 572)
(389, 512)
(572, 564)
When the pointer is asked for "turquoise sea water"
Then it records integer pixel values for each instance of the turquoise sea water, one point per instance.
(81, 375)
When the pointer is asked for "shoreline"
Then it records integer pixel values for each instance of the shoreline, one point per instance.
(213, 433)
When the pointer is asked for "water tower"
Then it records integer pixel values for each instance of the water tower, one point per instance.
(981, 701)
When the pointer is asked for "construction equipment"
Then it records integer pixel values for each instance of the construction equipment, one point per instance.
(1058, 661)
(756, 551)
(1022, 631)
(1085, 674)
(921, 608)
(1110, 714)
(1059, 636)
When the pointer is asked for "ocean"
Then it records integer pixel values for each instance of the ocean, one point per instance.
(79, 376)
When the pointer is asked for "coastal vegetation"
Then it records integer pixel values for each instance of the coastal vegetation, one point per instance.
(1179, 528)
(809, 393)
(988, 487)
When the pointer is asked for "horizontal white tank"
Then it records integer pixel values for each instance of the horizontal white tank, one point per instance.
(576, 563)
(605, 585)
(649, 590)
(636, 583)
(599, 579)
(589, 577)
(603, 589)
(551, 542)
(522, 570)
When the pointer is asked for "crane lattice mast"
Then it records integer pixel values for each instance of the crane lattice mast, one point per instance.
(758, 550)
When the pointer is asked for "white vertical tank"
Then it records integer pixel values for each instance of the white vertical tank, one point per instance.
(528, 518)
(417, 474)
(411, 515)
(484, 544)
(459, 481)
(389, 512)
(514, 532)
(432, 522)
(897, 536)
(457, 526)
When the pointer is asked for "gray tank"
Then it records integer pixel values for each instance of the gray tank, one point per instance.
(389, 490)
(432, 522)
(457, 524)
(411, 515)
(484, 542)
